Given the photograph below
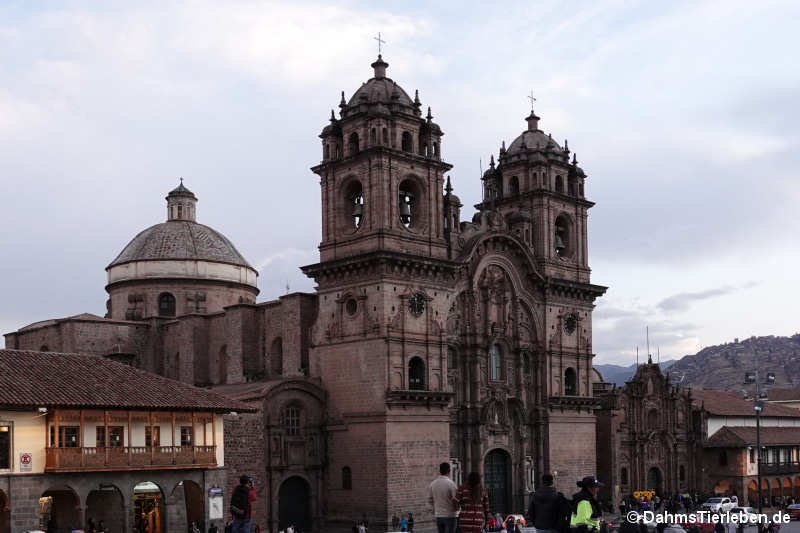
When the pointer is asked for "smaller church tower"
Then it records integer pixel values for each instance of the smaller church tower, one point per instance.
(536, 181)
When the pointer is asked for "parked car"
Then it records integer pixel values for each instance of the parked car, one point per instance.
(674, 528)
(718, 505)
(749, 515)
(794, 511)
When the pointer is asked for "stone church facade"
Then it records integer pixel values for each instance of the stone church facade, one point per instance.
(428, 338)
(647, 438)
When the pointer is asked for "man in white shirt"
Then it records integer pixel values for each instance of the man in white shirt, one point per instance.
(442, 496)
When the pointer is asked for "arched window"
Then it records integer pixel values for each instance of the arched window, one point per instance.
(559, 184)
(452, 355)
(496, 362)
(166, 304)
(682, 473)
(180, 211)
(355, 198)
(513, 186)
(652, 419)
(291, 420)
(436, 150)
(276, 358)
(562, 237)
(572, 185)
(407, 144)
(623, 476)
(353, 146)
(347, 478)
(570, 382)
(373, 137)
(416, 374)
(409, 202)
(44, 348)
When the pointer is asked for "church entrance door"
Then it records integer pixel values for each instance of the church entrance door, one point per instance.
(497, 479)
(294, 505)
(654, 480)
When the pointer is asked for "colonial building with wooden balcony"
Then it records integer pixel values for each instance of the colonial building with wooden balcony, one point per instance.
(83, 437)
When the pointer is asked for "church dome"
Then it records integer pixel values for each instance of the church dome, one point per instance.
(382, 95)
(380, 91)
(178, 267)
(533, 139)
(180, 240)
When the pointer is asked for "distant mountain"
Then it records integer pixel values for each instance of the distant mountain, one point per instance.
(724, 366)
(620, 374)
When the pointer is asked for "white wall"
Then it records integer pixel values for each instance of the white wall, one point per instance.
(28, 436)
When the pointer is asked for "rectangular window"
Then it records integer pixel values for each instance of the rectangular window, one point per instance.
(292, 420)
(100, 437)
(5, 446)
(186, 436)
(68, 436)
(152, 436)
(752, 455)
(115, 436)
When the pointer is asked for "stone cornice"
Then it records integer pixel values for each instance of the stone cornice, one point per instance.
(384, 263)
(574, 289)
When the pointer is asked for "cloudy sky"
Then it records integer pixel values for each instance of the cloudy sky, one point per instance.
(684, 115)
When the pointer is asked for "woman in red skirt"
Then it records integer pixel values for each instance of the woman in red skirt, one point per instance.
(474, 504)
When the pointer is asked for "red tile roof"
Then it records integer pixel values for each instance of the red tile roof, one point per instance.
(737, 437)
(730, 403)
(48, 379)
(783, 394)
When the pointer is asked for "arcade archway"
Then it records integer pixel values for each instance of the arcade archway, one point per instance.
(294, 504)
(148, 508)
(5, 513)
(106, 505)
(497, 480)
(59, 510)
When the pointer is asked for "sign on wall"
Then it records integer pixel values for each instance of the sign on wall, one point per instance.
(26, 462)
(216, 504)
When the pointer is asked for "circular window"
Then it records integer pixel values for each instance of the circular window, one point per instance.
(351, 306)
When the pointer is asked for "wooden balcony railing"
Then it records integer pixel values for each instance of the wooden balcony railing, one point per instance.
(129, 458)
(789, 467)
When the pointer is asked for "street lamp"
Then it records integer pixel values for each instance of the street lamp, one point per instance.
(758, 406)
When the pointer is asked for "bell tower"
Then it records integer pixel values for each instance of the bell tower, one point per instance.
(381, 174)
(384, 284)
(540, 190)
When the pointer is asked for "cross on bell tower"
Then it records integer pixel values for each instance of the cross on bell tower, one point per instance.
(380, 41)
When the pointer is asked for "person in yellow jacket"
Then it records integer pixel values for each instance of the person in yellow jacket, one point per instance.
(585, 509)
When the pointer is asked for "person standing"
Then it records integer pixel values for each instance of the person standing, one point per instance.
(411, 523)
(474, 503)
(586, 511)
(549, 510)
(242, 505)
(395, 522)
(442, 497)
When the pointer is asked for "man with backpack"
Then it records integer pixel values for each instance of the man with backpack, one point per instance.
(549, 510)
(241, 505)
